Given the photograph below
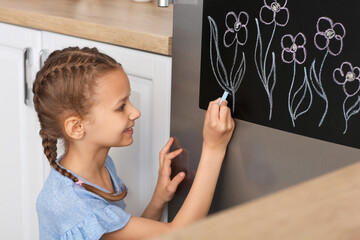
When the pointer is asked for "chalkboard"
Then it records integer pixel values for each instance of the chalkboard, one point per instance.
(289, 65)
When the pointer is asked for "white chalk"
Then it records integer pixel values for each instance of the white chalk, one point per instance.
(224, 96)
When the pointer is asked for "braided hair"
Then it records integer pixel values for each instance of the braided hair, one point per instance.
(63, 87)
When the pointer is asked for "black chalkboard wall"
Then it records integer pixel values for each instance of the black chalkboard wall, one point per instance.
(290, 65)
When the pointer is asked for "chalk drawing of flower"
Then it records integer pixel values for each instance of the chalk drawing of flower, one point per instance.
(349, 77)
(236, 28)
(293, 48)
(228, 81)
(274, 11)
(329, 36)
(300, 99)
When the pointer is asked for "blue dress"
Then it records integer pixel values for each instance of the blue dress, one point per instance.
(68, 211)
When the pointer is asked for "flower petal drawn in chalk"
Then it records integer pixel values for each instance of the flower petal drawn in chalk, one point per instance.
(274, 11)
(329, 36)
(293, 48)
(236, 28)
(348, 77)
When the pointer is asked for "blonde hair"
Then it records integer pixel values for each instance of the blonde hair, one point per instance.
(62, 88)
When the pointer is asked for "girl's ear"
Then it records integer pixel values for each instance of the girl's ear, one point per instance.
(74, 128)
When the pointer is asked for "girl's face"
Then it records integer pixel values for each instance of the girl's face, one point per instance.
(111, 119)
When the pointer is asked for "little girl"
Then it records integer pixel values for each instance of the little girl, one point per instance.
(82, 97)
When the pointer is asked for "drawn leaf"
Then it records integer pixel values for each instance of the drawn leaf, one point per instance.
(305, 87)
(353, 109)
(258, 52)
(317, 85)
(273, 75)
(302, 90)
(240, 73)
(220, 71)
(315, 81)
(267, 80)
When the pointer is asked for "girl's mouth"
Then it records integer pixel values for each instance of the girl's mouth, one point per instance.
(129, 131)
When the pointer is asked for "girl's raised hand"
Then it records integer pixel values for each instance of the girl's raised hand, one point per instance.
(218, 125)
(165, 187)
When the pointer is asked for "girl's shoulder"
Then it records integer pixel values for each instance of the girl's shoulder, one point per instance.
(68, 207)
(61, 191)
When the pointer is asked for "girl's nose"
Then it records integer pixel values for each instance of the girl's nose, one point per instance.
(135, 113)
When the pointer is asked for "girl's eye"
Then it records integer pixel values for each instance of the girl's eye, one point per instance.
(121, 108)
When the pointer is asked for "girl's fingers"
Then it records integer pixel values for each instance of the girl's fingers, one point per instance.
(214, 113)
(175, 182)
(174, 154)
(211, 104)
(170, 156)
(165, 150)
(224, 112)
(224, 103)
(214, 102)
(231, 122)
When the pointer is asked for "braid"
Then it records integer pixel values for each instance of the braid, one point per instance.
(50, 150)
(64, 85)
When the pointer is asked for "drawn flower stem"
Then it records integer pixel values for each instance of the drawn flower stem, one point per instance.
(237, 79)
(267, 51)
(260, 64)
(324, 95)
(316, 82)
(289, 97)
(234, 61)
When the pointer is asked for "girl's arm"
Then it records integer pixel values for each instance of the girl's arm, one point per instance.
(218, 128)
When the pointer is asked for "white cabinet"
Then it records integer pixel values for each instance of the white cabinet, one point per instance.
(20, 145)
(23, 164)
(150, 80)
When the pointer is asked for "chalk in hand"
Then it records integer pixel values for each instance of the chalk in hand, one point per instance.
(224, 96)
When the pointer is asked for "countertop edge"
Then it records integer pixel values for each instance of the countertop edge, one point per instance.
(326, 207)
(122, 37)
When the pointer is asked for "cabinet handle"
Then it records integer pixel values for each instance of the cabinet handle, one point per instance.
(44, 54)
(165, 3)
(27, 76)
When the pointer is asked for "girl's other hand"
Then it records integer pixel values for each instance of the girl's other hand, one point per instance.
(218, 125)
(165, 187)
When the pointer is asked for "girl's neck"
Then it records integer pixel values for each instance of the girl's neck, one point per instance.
(88, 164)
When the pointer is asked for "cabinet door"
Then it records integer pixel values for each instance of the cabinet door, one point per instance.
(20, 144)
(150, 80)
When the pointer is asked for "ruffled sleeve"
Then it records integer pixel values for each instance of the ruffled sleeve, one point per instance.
(97, 223)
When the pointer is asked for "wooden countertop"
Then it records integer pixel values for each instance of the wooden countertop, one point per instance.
(142, 26)
(325, 208)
